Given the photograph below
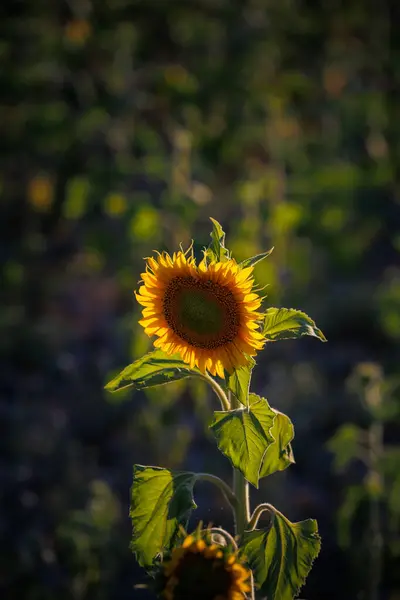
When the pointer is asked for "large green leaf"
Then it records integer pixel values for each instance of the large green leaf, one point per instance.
(289, 323)
(279, 455)
(253, 260)
(282, 555)
(161, 501)
(155, 368)
(238, 382)
(243, 435)
(217, 250)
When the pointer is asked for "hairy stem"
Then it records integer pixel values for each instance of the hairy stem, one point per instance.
(224, 487)
(242, 514)
(217, 389)
(229, 539)
(240, 489)
(257, 514)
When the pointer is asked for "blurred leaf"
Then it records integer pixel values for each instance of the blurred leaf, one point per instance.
(387, 299)
(146, 223)
(103, 506)
(390, 467)
(391, 461)
(394, 504)
(289, 323)
(281, 556)
(279, 455)
(155, 368)
(286, 216)
(77, 31)
(355, 494)
(345, 445)
(250, 262)
(243, 435)
(41, 192)
(238, 382)
(76, 198)
(162, 500)
(115, 204)
(216, 250)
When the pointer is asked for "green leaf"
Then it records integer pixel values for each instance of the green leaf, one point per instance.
(238, 382)
(243, 435)
(345, 445)
(162, 500)
(282, 555)
(155, 368)
(354, 496)
(250, 262)
(279, 455)
(289, 323)
(217, 250)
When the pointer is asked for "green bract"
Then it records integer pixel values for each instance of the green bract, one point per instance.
(256, 439)
(217, 250)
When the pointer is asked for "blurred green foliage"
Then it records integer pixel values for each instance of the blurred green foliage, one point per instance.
(373, 496)
(124, 125)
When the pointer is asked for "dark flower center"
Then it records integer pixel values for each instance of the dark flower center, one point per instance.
(202, 578)
(203, 313)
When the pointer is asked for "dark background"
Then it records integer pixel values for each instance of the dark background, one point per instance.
(124, 125)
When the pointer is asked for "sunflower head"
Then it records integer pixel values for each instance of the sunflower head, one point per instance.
(200, 569)
(206, 313)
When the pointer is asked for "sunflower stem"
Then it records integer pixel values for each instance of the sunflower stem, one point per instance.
(240, 488)
(241, 491)
(227, 536)
(242, 512)
(217, 389)
(224, 487)
(257, 514)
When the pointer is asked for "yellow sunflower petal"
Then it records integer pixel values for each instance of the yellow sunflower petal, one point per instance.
(189, 540)
(216, 569)
(198, 546)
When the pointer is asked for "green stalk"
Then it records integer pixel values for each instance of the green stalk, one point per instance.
(242, 512)
(224, 487)
(227, 536)
(217, 389)
(240, 488)
(241, 491)
(257, 514)
(240, 500)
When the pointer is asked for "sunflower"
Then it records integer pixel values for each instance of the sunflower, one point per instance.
(206, 313)
(202, 570)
